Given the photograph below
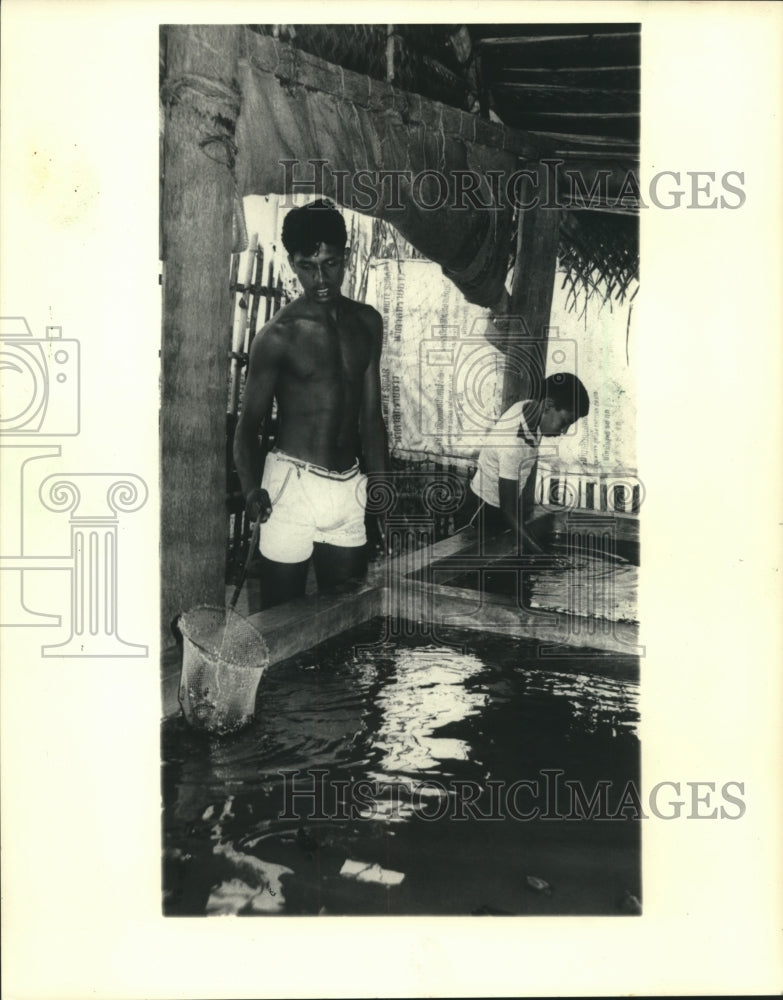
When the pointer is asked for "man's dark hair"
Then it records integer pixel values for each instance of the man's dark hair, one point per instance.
(567, 393)
(305, 228)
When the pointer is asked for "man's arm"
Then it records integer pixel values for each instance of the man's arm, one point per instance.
(263, 368)
(512, 508)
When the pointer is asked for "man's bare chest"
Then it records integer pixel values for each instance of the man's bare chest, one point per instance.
(321, 352)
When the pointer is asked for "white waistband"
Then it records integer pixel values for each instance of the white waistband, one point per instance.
(317, 470)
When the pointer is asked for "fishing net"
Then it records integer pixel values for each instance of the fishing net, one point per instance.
(224, 658)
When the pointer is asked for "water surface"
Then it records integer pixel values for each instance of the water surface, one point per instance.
(435, 774)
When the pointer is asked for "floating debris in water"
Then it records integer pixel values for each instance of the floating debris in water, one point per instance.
(362, 871)
(538, 884)
(629, 904)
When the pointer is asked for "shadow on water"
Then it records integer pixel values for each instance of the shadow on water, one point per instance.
(419, 778)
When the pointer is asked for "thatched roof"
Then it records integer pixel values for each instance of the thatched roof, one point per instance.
(573, 90)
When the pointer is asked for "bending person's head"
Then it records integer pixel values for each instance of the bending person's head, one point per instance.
(565, 400)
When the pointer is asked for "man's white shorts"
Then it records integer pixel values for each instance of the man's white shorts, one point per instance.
(310, 504)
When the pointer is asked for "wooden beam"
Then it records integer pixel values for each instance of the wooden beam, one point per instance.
(546, 40)
(569, 90)
(621, 48)
(483, 93)
(508, 29)
(525, 333)
(604, 127)
(587, 116)
(576, 72)
(201, 109)
(530, 303)
(615, 77)
(553, 97)
(619, 157)
(591, 141)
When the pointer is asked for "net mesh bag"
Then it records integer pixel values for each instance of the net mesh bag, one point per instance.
(223, 659)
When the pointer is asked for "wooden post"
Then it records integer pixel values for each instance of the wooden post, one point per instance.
(481, 84)
(532, 288)
(202, 103)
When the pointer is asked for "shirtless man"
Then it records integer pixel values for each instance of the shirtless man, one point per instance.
(319, 358)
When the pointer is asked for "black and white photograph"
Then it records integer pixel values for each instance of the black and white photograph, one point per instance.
(390, 558)
(398, 344)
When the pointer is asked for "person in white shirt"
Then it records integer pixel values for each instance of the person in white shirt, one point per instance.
(509, 454)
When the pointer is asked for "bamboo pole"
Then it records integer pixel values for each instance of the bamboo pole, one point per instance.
(268, 310)
(201, 108)
(241, 313)
(390, 53)
(258, 282)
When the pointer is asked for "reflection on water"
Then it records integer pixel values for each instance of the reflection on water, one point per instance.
(427, 692)
(381, 735)
(596, 702)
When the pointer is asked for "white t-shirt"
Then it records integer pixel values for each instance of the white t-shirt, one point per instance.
(509, 451)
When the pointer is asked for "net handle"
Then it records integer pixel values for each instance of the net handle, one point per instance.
(251, 549)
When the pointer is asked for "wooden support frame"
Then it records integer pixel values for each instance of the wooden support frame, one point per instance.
(202, 105)
(524, 329)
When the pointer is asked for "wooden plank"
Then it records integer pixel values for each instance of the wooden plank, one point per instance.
(551, 97)
(611, 129)
(586, 116)
(506, 29)
(198, 202)
(541, 40)
(553, 89)
(601, 77)
(572, 72)
(591, 141)
(621, 158)
(572, 50)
